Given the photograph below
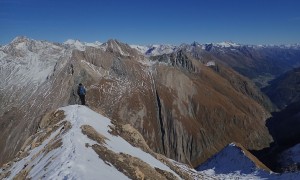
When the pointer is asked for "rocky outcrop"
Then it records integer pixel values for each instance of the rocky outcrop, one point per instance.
(178, 59)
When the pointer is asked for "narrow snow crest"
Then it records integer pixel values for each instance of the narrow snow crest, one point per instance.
(81, 115)
(75, 157)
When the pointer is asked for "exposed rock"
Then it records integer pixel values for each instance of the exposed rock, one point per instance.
(92, 134)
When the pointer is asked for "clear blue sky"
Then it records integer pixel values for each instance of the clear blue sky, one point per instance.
(152, 21)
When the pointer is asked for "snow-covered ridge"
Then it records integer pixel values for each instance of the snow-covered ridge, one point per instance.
(77, 156)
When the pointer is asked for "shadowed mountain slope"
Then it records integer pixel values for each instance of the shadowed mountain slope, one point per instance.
(285, 89)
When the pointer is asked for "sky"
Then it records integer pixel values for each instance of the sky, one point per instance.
(152, 21)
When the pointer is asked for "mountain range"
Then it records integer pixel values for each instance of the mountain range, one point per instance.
(188, 102)
(260, 63)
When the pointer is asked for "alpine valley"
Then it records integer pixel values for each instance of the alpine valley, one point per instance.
(194, 111)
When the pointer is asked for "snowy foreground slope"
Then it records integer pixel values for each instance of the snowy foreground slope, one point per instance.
(75, 142)
(235, 162)
(76, 148)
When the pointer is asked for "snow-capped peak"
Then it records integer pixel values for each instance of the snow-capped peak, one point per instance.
(226, 44)
(155, 49)
(196, 44)
(19, 39)
(71, 41)
(116, 46)
(77, 44)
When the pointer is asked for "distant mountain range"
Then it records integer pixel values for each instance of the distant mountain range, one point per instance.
(160, 49)
(260, 63)
(154, 50)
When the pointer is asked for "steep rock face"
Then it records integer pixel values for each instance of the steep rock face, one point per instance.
(183, 109)
(202, 112)
(178, 59)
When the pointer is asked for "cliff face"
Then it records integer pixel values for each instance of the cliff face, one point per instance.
(183, 108)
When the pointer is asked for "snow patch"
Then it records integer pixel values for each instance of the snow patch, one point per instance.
(227, 44)
(2, 54)
(210, 63)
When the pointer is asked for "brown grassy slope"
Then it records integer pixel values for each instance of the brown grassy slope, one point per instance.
(203, 112)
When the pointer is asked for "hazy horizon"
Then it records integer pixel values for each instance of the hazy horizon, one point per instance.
(103, 41)
(152, 22)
